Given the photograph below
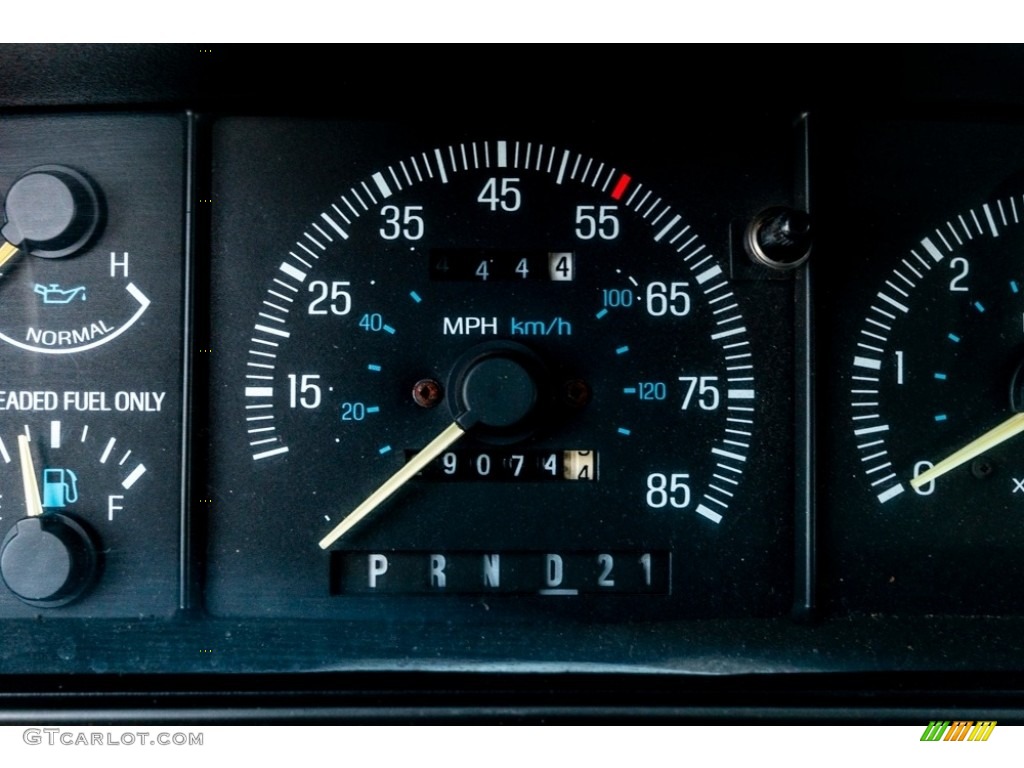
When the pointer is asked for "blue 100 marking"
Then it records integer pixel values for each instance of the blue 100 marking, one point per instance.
(617, 297)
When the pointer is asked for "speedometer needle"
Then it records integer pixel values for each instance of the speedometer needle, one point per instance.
(33, 505)
(434, 448)
(1012, 427)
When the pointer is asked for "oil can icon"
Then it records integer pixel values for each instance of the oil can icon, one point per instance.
(54, 294)
(60, 487)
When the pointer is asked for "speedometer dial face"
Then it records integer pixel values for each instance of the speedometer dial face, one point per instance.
(493, 369)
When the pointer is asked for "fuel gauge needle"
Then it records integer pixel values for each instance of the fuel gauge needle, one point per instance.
(1012, 427)
(33, 505)
(433, 449)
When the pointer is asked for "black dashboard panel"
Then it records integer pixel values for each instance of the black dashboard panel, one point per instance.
(677, 483)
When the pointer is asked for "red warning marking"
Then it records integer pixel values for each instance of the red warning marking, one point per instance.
(620, 186)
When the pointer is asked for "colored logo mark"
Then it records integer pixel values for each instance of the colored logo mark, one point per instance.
(54, 294)
(958, 730)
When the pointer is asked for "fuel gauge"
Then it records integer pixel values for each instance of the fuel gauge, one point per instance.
(76, 500)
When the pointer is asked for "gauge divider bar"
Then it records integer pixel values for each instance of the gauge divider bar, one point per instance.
(188, 585)
(805, 573)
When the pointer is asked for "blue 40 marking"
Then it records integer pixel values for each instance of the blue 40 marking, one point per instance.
(374, 322)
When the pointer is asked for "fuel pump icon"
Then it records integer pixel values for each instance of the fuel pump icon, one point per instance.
(60, 488)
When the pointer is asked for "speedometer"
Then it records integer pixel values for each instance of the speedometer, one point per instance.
(490, 369)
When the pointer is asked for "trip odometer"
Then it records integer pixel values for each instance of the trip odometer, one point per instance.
(494, 368)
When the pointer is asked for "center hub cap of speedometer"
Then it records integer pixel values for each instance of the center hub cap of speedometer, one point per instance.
(499, 390)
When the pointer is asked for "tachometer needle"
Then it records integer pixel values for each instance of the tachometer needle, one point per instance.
(1012, 427)
(433, 449)
(33, 504)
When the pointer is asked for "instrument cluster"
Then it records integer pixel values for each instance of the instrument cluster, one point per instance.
(303, 386)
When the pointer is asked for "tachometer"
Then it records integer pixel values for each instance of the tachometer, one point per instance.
(935, 392)
(924, 498)
(935, 382)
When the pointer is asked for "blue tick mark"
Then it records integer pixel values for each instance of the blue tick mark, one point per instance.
(940, 417)
(624, 431)
(601, 314)
(622, 350)
(954, 338)
(940, 376)
(979, 306)
(415, 296)
(385, 449)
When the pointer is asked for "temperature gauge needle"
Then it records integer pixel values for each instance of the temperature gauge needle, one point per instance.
(434, 448)
(1012, 427)
(33, 505)
(7, 252)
